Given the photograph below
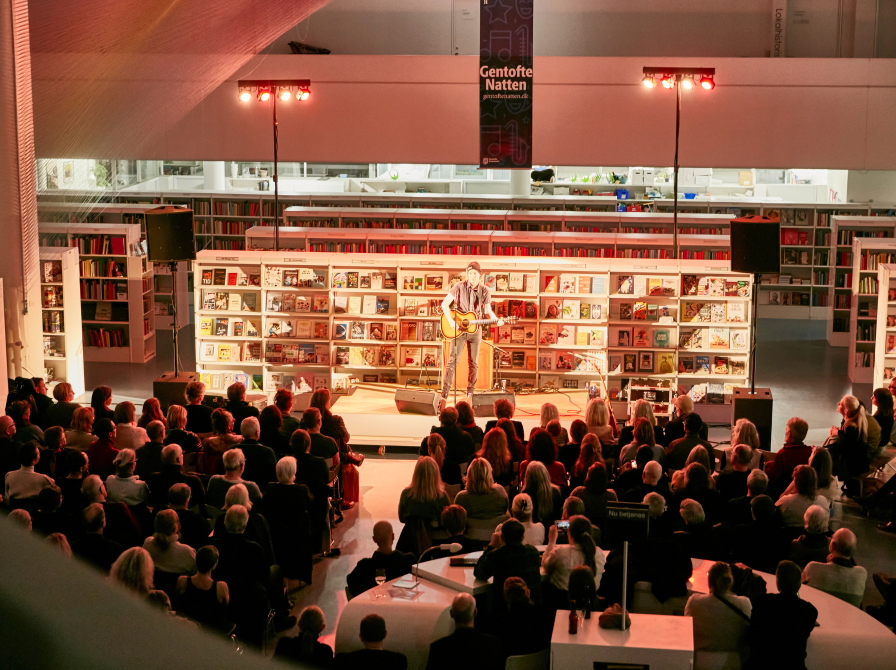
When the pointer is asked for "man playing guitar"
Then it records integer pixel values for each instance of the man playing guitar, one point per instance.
(468, 296)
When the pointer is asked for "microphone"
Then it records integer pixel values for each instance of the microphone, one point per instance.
(454, 547)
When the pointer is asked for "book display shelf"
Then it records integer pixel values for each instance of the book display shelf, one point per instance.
(845, 230)
(884, 368)
(868, 254)
(61, 317)
(272, 318)
(116, 289)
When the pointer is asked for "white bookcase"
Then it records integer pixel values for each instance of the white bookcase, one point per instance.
(868, 254)
(61, 317)
(330, 317)
(115, 282)
(885, 343)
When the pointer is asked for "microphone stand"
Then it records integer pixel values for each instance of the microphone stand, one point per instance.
(496, 351)
(454, 547)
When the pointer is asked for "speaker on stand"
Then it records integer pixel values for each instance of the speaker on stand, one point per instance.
(755, 249)
(169, 238)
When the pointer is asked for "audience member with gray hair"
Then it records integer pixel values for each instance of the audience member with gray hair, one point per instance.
(813, 544)
(168, 554)
(194, 527)
(839, 576)
(260, 460)
(121, 524)
(738, 510)
(652, 481)
(466, 647)
(286, 507)
(257, 529)
(695, 539)
(124, 486)
(172, 473)
(93, 546)
(234, 464)
(149, 456)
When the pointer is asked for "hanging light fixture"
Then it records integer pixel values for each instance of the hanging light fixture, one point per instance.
(649, 81)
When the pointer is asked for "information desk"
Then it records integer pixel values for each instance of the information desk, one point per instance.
(653, 641)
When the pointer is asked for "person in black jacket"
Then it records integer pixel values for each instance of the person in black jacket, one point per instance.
(61, 413)
(172, 473)
(305, 649)
(459, 447)
(466, 647)
(507, 556)
(781, 623)
(314, 473)
(94, 547)
(675, 428)
(504, 410)
(568, 454)
(237, 405)
(733, 484)
(194, 527)
(261, 461)
(395, 563)
(372, 656)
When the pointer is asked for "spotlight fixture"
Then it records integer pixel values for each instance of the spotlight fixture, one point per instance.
(284, 94)
(264, 94)
(245, 95)
(649, 81)
(688, 82)
(303, 94)
(686, 78)
(667, 81)
(707, 83)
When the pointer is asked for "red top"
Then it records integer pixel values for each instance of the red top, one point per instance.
(555, 470)
(100, 455)
(791, 455)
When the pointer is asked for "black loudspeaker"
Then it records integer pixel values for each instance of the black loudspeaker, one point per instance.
(755, 245)
(169, 234)
(758, 409)
(415, 401)
(170, 389)
(484, 403)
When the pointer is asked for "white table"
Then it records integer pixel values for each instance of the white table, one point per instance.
(461, 579)
(412, 624)
(653, 640)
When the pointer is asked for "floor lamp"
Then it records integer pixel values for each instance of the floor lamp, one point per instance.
(272, 90)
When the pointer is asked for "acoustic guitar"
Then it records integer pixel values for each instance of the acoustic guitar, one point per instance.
(466, 322)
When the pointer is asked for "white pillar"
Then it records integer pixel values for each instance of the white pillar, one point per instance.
(213, 172)
(520, 181)
(20, 266)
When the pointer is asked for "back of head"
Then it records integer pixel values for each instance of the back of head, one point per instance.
(91, 487)
(513, 532)
(373, 628)
(789, 578)
(577, 431)
(503, 409)
(236, 392)
(155, 431)
(286, 470)
(465, 414)
(172, 454)
(159, 599)
(235, 519)
(549, 412)
(643, 456)
(237, 494)
(554, 428)
(656, 504)
(806, 481)
(479, 477)
(82, 419)
(757, 482)
(798, 428)
(283, 399)
(763, 508)
(685, 405)
(642, 409)
(62, 391)
(454, 520)
(697, 476)
(270, 419)
(573, 506)
(311, 624)
(821, 462)
(426, 482)
(652, 473)
(816, 520)
(643, 432)
(582, 589)
(75, 460)
(516, 592)
(18, 411)
(49, 500)
(250, 428)
(743, 455)
(194, 391)
(165, 526)
(134, 570)
(883, 398)
(94, 518)
(179, 495)
(522, 507)
(448, 417)
(844, 542)
(53, 437)
(20, 517)
(320, 400)
(124, 460)
(28, 452)
(744, 432)
(596, 480)
(176, 417)
(125, 412)
(207, 558)
(692, 512)
(580, 533)
(463, 609)
(693, 423)
(542, 447)
(719, 578)
(311, 418)
(300, 441)
(233, 459)
(222, 421)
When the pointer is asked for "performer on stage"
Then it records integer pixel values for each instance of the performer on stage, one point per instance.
(468, 296)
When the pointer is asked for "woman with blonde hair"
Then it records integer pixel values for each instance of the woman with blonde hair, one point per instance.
(521, 510)
(742, 432)
(849, 444)
(133, 570)
(643, 435)
(420, 506)
(169, 555)
(222, 440)
(124, 486)
(79, 436)
(700, 454)
(793, 506)
(549, 412)
(127, 434)
(545, 496)
(641, 409)
(589, 454)
(176, 433)
(435, 445)
(496, 452)
(597, 417)
(305, 648)
(482, 499)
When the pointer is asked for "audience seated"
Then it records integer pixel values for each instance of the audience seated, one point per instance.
(60, 414)
(549, 412)
(595, 494)
(395, 563)
(642, 409)
(24, 485)
(222, 439)
(459, 447)
(322, 446)
(176, 420)
(286, 506)
(760, 544)
(882, 403)
(202, 598)
(9, 448)
(54, 443)
(643, 435)
(152, 411)
(70, 485)
(828, 486)
(199, 416)
(698, 487)
(839, 576)
(49, 520)
(121, 524)
(454, 522)
(675, 428)
(79, 436)
(568, 454)
(695, 538)
(466, 419)
(20, 412)
(515, 445)
(283, 401)
(59, 541)
(100, 402)
(651, 482)
(124, 486)
(313, 473)
(742, 432)
(149, 456)
(547, 501)
(234, 465)
(793, 507)
(236, 404)
(794, 452)
(331, 424)
(420, 506)
(373, 656)
(543, 449)
(700, 454)
(590, 452)
(482, 498)
(521, 510)
(507, 556)
(102, 452)
(21, 518)
(93, 546)
(504, 409)
(168, 554)
(495, 451)
(849, 444)
(732, 483)
(127, 434)
(171, 473)
(194, 527)
(813, 544)
(721, 619)
(558, 561)
(781, 623)
(273, 433)
(305, 649)
(738, 510)
(133, 571)
(41, 402)
(466, 647)
(678, 450)
(257, 528)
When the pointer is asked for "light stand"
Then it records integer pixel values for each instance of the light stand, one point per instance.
(173, 266)
(754, 302)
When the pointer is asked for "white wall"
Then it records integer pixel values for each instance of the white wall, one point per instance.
(872, 185)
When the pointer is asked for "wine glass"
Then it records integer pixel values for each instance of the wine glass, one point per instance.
(380, 580)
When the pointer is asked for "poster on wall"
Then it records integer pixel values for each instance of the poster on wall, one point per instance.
(505, 83)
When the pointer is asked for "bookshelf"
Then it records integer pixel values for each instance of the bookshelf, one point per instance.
(885, 343)
(374, 317)
(868, 254)
(844, 231)
(61, 317)
(116, 288)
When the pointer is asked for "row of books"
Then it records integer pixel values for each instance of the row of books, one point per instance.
(845, 236)
(821, 277)
(51, 271)
(791, 217)
(52, 296)
(411, 307)
(842, 300)
(843, 280)
(237, 208)
(317, 303)
(99, 245)
(712, 338)
(104, 337)
(313, 223)
(792, 236)
(103, 290)
(715, 312)
(820, 299)
(227, 245)
(786, 298)
(225, 352)
(552, 333)
(868, 285)
(402, 248)
(699, 231)
(453, 250)
(571, 308)
(230, 301)
(864, 359)
(220, 381)
(220, 227)
(54, 347)
(795, 257)
(518, 251)
(579, 252)
(104, 267)
(866, 332)
(53, 322)
(870, 261)
(348, 248)
(643, 253)
(688, 254)
(380, 280)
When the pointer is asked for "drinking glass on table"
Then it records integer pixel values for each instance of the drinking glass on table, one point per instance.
(380, 580)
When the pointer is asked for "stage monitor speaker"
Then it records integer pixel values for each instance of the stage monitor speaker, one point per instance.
(416, 401)
(169, 234)
(755, 245)
(170, 389)
(758, 409)
(484, 403)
